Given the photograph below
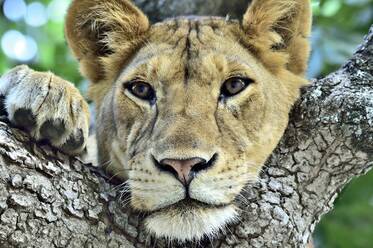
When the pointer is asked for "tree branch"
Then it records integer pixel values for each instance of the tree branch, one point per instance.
(159, 10)
(50, 200)
(328, 142)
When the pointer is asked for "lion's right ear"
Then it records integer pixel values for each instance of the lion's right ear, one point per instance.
(101, 32)
(279, 32)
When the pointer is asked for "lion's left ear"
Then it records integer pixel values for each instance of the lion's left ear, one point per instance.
(97, 31)
(279, 30)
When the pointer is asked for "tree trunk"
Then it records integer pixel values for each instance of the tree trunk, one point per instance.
(50, 200)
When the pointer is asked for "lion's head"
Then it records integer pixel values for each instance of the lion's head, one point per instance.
(189, 109)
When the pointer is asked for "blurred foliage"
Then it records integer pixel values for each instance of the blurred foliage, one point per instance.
(350, 224)
(53, 53)
(339, 26)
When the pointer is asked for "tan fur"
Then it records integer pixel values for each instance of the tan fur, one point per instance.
(281, 23)
(186, 60)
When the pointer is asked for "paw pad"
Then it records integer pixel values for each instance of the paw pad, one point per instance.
(24, 118)
(74, 142)
(52, 129)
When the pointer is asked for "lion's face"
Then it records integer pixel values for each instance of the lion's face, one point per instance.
(189, 116)
(189, 120)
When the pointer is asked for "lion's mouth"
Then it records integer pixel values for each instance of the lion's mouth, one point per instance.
(190, 219)
(189, 204)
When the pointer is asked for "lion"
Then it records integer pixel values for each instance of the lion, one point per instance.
(187, 110)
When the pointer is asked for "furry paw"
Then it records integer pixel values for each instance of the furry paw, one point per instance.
(48, 107)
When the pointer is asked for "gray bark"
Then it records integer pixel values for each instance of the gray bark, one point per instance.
(50, 200)
(159, 10)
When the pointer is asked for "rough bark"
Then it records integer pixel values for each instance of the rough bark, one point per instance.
(50, 200)
(159, 10)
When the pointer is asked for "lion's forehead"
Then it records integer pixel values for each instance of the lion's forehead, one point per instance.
(190, 39)
(194, 51)
(196, 30)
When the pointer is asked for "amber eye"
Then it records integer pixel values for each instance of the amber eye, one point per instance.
(235, 85)
(142, 90)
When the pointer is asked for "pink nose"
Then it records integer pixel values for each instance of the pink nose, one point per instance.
(182, 168)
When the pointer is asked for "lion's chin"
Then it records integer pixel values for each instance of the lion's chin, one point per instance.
(191, 223)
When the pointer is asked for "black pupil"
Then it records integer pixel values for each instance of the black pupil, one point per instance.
(234, 86)
(141, 89)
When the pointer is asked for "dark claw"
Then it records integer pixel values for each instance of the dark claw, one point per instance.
(24, 118)
(3, 111)
(74, 142)
(52, 129)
